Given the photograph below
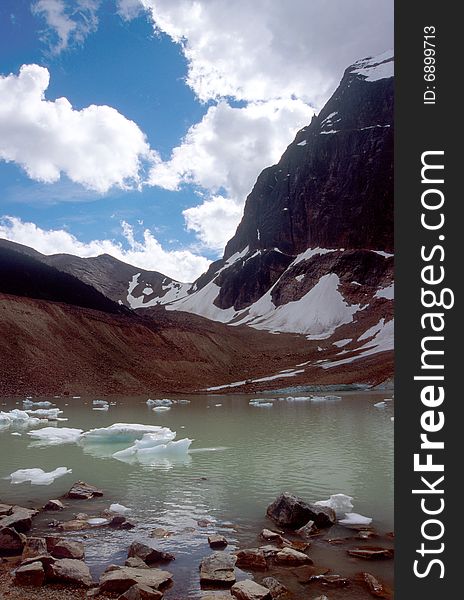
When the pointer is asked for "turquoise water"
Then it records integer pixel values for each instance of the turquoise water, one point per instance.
(241, 458)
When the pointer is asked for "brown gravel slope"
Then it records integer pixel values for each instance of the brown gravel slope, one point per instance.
(52, 348)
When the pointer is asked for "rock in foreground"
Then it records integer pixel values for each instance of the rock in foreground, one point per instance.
(69, 570)
(218, 569)
(292, 512)
(30, 575)
(119, 580)
(83, 491)
(148, 554)
(250, 590)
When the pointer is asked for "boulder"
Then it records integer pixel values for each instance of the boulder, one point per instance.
(372, 553)
(68, 549)
(252, 559)
(217, 541)
(148, 554)
(278, 591)
(136, 563)
(291, 512)
(83, 491)
(119, 580)
(70, 570)
(290, 557)
(11, 541)
(5, 509)
(19, 518)
(32, 574)
(218, 569)
(54, 505)
(141, 592)
(34, 546)
(271, 536)
(45, 559)
(250, 590)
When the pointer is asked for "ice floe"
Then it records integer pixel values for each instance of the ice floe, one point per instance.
(161, 409)
(340, 503)
(153, 445)
(54, 436)
(100, 402)
(119, 433)
(119, 508)
(38, 476)
(261, 403)
(355, 519)
(45, 413)
(17, 418)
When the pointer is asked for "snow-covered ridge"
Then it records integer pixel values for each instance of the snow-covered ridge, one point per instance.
(374, 68)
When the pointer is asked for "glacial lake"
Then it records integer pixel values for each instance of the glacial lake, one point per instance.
(241, 458)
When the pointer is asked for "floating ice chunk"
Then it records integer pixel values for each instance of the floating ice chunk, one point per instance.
(38, 476)
(154, 446)
(54, 436)
(340, 503)
(17, 418)
(392, 418)
(298, 398)
(151, 402)
(183, 401)
(303, 143)
(45, 413)
(355, 519)
(42, 404)
(76, 397)
(102, 408)
(119, 508)
(100, 402)
(380, 404)
(16, 433)
(161, 408)
(119, 433)
(96, 521)
(261, 404)
(217, 405)
(163, 402)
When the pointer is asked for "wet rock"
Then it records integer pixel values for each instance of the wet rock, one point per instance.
(141, 592)
(291, 512)
(34, 546)
(83, 491)
(204, 523)
(68, 549)
(252, 559)
(217, 541)
(54, 523)
(297, 545)
(250, 590)
(148, 554)
(54, 505)
(73, 525)
(218, 569)
(304, 574)
(220, 596)
(160, 532)
(136, 563)
(5, 509)
(81, 516)
(121, 579)
(375, 587)
(307, 530)
(120, 522)
(365, 534)
(372, 553)
(19, 518)
(335, 581)
(11, 541)
(70, 570)
(278, 591)
(271, 536)
(291, 557)
(30, 575)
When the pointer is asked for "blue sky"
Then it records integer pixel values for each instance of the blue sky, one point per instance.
(202, 96)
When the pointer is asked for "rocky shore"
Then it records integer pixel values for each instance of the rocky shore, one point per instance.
(279, 567)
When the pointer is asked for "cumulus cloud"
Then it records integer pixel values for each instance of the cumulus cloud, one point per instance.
(147, 253)
(272, 49)
(224, 153)
(96, 146)
(68, 24)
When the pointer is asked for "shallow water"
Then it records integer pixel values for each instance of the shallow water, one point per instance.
(242, 457)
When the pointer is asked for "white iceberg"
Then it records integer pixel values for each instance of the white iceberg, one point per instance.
(99, 402)
(154, 445)
(119, 433)
(45, 413)
(53, 436)
(151, 402)
(38, 476)
(161, 408)
(17, 417)
(119, 508)
(340, 503)
(97, 521)
(380, 404)
(101, 408)
(42, 404)
(261, 404)
(355, 519)
(163, 402)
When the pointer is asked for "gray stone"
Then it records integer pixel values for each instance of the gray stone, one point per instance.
(68, 549)
(70, 570)
(20, 519)
(278, 591)
(252, 559)
(292, 512)
(34, 546)
(30, 575)
(11, 542)
(148, 554)
(136, 562)
(372, 553)
(218, 569)
(141, 592)
(120, 580)
(250, 590)
(291, 557)
(5, 509)
(83, 491)
(217, 541)
(54, 505)
(307, 530)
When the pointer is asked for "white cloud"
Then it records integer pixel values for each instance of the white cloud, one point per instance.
(96, 147)
(225, 152)
(67, 23)
(272, 49)
(214, 221)
(148, 254)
